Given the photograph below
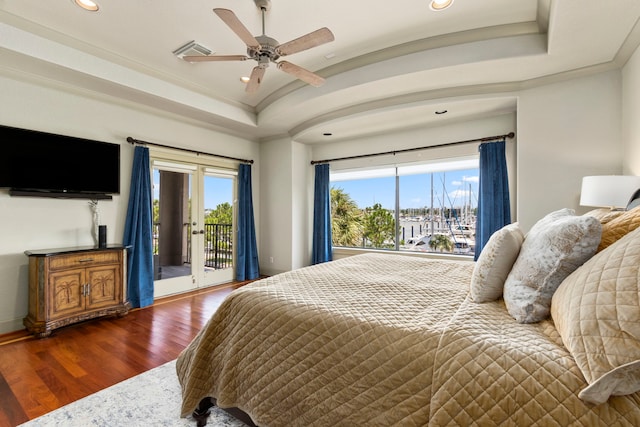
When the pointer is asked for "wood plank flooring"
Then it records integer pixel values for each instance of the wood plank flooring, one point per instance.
(40, 375)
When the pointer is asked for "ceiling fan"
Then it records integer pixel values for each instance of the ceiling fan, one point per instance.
(264, 49)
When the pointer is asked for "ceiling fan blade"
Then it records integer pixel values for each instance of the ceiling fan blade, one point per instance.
(313, 39)
(215, 58)
(237, 27)
(301, 73)
(255, 79)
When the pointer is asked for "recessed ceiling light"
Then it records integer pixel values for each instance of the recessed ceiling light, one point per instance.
(441, 112)
(244, 79)
(87, 5)
(327, 134)
(440, 4)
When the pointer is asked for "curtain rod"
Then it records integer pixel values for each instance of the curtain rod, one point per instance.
(488, 138)
(137, 141)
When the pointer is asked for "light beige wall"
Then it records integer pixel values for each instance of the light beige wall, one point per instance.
(566, 131)
(302, 205)
(38, 223)
(287, 184)
(276, 158)
(631, 115)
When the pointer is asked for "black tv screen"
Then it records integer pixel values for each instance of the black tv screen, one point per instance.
(33, 162)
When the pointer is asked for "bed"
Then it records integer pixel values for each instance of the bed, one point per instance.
(385, 339)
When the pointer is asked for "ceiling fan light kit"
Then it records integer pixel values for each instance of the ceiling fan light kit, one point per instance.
(264, 49)
(263, 4)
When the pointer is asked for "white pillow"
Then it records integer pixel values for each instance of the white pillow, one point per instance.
(554, 247)
(495, 262)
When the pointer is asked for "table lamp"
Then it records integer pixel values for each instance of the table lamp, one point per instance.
(613, 191)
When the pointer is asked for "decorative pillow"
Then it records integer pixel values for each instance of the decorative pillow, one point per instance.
(554, 247)
(495, 262)
(619, 226)
(597, 313)
(604, 215)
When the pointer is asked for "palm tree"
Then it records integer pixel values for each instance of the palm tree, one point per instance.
(346, 219)
(380, 226)
(442, 242)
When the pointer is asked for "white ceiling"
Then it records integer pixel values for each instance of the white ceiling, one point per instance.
(392, 64)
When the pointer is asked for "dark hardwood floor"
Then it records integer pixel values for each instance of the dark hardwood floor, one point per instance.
(40, 375)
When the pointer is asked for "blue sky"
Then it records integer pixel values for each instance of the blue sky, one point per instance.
(415, 190)
(216, 190)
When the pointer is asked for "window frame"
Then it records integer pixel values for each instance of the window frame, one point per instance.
(429, 154)
(422, 170)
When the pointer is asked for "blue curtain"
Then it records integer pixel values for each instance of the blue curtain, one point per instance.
(321, 251)
(247, 254)
(138, 232)
(494, 209)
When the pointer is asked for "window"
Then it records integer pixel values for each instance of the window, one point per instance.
(424, 207)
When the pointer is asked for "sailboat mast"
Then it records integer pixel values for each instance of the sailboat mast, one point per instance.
(431, 210)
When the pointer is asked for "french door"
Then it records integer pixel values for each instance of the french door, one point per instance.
(193, 217)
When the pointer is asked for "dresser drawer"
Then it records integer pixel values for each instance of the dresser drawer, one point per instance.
(84, 259)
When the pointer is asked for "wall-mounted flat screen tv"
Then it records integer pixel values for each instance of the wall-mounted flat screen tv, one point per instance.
(34, 163)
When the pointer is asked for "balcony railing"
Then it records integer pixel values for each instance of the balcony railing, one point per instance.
(218, 245)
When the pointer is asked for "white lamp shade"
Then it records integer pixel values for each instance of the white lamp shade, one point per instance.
(608, 190)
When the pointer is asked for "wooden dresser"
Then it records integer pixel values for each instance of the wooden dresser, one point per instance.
(75, 284)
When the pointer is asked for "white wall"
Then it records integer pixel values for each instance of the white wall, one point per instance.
(39, 223)
(631, 115)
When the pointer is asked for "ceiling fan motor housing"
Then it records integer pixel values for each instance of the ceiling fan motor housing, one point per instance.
(267, 49)
(263, 4)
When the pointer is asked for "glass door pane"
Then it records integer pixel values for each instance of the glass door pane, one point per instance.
(172, 229)
(218, 214)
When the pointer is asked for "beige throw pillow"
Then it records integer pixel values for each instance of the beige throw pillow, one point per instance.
(495, 262)
(597, 313)
(604, 215)
(616, 228)
(554, 247)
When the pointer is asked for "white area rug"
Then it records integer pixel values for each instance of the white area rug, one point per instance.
(149, 399)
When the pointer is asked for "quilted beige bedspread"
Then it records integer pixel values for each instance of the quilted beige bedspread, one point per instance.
(384, 340)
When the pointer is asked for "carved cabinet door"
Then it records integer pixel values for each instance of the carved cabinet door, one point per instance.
(66, 289)
(105, 287)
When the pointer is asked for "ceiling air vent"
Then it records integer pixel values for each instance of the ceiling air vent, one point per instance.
(192, 49)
